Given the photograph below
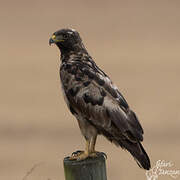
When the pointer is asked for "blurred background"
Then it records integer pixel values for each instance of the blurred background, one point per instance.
(135, 42)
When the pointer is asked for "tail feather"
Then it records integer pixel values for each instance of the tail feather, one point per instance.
(138, 152)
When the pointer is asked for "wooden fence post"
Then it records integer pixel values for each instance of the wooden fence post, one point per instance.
(88, 169)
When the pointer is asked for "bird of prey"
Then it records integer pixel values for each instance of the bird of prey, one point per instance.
(95, 101)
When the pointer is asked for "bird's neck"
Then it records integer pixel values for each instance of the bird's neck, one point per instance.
(73, 54)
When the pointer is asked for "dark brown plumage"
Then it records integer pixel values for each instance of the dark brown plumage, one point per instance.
(95, 101)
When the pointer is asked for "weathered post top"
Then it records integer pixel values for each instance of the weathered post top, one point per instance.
(88, 169)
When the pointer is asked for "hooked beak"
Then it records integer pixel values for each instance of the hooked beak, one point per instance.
(52, 40)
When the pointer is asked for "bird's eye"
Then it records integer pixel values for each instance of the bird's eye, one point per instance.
(65, 36)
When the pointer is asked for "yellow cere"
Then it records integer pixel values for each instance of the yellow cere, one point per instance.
(53, 37)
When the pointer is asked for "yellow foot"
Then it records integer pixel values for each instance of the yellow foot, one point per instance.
(97, 153)
(81, 155)
(93, 154)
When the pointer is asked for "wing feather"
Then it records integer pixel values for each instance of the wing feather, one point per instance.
(107, 114)
(92, 95)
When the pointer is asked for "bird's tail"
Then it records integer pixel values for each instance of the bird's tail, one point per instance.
(138, 152)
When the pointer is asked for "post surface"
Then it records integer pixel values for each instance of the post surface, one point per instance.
(88, 169)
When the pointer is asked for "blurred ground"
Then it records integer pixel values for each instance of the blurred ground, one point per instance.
(135, 42)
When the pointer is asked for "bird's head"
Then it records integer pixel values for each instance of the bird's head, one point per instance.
(67, 40)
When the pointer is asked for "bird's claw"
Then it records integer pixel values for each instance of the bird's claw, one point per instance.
(105, 156)
(77, 153)
(81, 155)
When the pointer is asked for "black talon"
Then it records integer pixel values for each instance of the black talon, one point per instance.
(76, 152)
(105, 156)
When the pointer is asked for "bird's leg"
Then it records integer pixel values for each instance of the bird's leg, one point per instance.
(89, 150)
(80, 155)
(92, 152)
